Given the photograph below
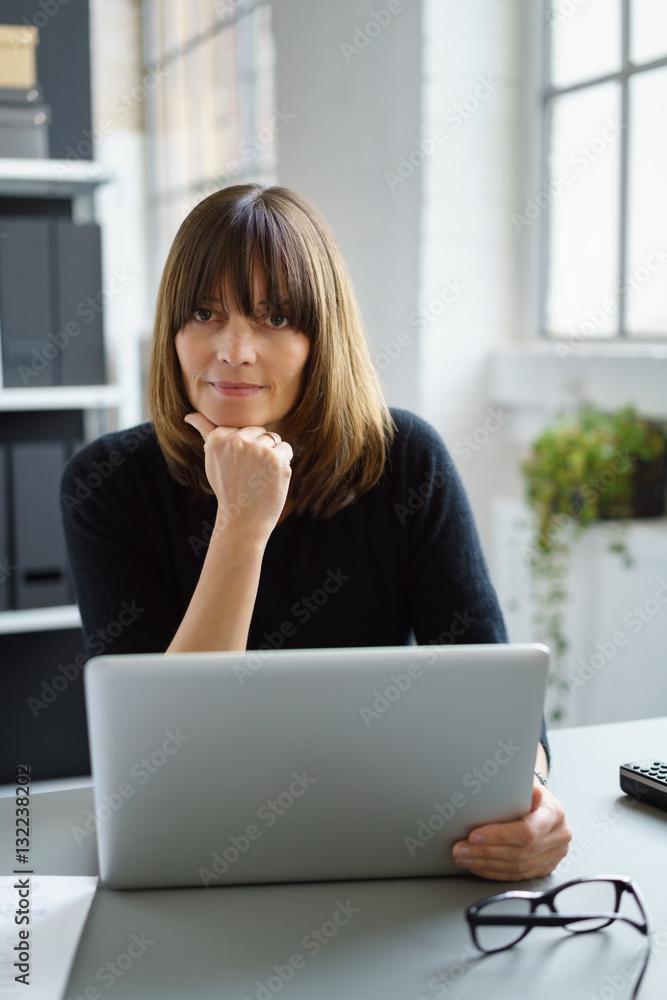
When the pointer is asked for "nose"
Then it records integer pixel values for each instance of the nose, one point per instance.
(236, 342)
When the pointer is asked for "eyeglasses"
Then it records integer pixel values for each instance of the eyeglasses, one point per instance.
(580, 907)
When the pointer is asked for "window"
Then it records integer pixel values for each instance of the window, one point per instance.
(605, 169)
(210, 112)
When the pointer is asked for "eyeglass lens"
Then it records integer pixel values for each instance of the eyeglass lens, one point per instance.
(492, 938)
(596, 896)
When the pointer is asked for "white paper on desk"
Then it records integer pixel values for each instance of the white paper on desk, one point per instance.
(59, 906)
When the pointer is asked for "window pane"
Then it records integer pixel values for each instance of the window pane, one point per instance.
(585, 39)
(584, 220)
(211, 121)
(645, 286)
(648, 30)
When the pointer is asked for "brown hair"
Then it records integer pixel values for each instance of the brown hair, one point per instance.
(340, 429)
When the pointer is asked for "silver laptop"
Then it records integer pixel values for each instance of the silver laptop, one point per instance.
(223, 768)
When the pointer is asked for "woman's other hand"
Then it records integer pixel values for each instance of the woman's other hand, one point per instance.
(526, 848)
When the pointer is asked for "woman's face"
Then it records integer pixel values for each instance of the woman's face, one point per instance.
(240, 371)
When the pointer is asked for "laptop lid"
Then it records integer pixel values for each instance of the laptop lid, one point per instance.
(225, 768)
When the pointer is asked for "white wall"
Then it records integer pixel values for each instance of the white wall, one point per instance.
(356, 112)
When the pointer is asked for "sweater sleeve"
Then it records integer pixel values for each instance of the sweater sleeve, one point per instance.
(124, 600)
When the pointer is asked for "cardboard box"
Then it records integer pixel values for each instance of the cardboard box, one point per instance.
(18, 57)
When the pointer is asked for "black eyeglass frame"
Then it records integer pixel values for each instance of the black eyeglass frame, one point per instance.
(622, 883)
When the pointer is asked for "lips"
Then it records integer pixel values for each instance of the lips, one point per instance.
(236, 388)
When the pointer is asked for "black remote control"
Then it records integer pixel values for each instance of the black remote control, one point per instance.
(646, 780)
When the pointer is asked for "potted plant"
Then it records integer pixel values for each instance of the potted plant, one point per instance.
(584, 468)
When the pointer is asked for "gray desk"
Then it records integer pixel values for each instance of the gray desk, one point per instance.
(402, 939)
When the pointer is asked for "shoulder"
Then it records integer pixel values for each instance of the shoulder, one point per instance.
(417, 445)
(415, 430)
(421, 471)
(116, 448)
(113, 460)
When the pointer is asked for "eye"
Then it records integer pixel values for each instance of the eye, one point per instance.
(278, 322)
(202, 315)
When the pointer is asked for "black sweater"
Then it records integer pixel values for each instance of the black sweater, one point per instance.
(402, 561)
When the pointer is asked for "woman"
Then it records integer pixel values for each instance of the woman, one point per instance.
(276, 501)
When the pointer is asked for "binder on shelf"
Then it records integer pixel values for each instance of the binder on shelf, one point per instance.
(78, 263)
(41, 578)
(51, 302)
(25, 302)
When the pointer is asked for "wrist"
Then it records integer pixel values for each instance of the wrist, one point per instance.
(235, 537)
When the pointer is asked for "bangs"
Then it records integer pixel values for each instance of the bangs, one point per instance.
(231, 246)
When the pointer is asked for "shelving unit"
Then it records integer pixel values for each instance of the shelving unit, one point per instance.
(40, 619)
(77, 181)
(48, 272)
(50, 178)
(60, 397)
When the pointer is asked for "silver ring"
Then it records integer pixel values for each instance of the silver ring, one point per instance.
(274, 437)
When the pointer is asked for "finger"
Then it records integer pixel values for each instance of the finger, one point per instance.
(200, 423)
(519, 871)
(284, 449)
(273, 437)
